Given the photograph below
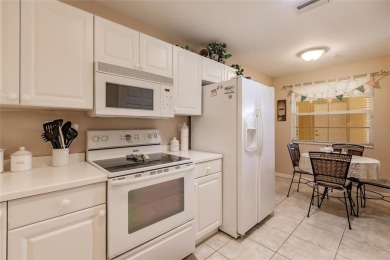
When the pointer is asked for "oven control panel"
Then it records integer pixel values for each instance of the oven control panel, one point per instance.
(121, 138)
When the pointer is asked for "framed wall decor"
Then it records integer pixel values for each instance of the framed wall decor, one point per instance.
(281, 110)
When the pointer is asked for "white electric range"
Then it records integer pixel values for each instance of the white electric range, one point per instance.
(150, 195)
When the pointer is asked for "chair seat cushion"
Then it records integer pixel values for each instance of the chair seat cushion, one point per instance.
(335, 185)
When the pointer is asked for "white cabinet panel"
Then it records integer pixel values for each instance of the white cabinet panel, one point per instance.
(155, 56)
(9, 52)
(230, 72)
(208, 215)
(187, 82)
(79, 235)
(57, 55)
(212, 71)
(116, 44)
(3, 230)
(32, 209)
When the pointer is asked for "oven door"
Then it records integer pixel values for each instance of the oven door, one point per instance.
(141, 209)
(121, 96)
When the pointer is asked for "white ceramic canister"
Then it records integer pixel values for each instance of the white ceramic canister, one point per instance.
(1, 160)
(174, 145)
(21, 160)
(184, 137)
(60, 157)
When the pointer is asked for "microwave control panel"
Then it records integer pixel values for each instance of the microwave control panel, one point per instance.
(167, 108)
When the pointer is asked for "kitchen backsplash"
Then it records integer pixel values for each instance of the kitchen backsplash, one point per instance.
(22, 127)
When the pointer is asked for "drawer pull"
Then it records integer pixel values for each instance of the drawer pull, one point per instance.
(65, 202)
(102, 213)
(208, 169)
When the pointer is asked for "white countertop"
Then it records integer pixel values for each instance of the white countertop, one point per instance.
(198, 156)
(14, 185)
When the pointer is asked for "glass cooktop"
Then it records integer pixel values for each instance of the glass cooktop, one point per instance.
(123, 163)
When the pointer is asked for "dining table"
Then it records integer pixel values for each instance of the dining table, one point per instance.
(360, 167)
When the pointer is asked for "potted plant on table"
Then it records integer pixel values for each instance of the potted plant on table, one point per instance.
(217, 52)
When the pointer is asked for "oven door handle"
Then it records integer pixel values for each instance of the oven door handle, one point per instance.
(112, 183)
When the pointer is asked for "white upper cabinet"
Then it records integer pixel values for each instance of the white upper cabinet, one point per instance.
(119, 45)
(187, 82)
(9, 52)
(230, 72)
(56, 55)
(155, 56)
(116, 44)
(212, 71)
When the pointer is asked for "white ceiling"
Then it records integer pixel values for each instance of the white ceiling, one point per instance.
(266, 35)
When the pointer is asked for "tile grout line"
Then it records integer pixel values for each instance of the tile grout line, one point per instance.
(345, 228)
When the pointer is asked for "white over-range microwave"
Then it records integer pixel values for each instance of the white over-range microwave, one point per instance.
(125, 92)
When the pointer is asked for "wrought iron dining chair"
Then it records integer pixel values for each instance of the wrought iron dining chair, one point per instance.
(352, 149)
(330, 171)
(295, 156)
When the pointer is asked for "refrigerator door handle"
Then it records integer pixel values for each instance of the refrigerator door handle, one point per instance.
(259, 130)
(251, 134)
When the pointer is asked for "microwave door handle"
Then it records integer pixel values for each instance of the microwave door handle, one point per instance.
(112, 183)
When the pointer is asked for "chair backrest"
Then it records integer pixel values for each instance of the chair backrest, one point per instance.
(295, 154)
(352, 149)
(330, 167)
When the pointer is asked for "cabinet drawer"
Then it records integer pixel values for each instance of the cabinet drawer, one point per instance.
(37, 208)
(206, 168)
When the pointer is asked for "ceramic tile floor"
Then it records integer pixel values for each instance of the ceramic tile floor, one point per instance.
(289, 234)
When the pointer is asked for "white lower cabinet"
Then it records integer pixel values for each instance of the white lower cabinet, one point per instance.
(3, 230)
(208, 209)
(66, 224)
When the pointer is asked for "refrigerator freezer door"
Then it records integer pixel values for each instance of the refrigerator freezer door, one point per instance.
(266, 151)
(251, 135)
(216, 131)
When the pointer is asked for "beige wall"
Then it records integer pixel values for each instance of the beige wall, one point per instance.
(381, 150)
(22, 127)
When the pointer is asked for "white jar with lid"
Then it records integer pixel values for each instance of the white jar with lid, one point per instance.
(174, 145)
(21, 160)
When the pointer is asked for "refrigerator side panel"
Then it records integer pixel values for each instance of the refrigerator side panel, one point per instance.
(266, 184)
(216, 131)
(247, 155)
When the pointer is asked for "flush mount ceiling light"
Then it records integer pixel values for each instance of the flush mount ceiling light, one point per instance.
(311, 54)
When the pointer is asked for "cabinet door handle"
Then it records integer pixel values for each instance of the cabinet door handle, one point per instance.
(12, 96)
(65, 202)
(102, 213)
(26, 97)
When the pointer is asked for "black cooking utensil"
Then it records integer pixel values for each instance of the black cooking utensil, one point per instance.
(71, 134)
(65, 128)
(44, 137)
(51, 132)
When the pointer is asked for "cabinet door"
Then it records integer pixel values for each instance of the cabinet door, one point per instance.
(3, 231)
(187, 82)
(80, 235)
(208, 214)
(212, 71)
(57, 55)
(230, 72)
(155, 56)
(9, 52)
(116, 44)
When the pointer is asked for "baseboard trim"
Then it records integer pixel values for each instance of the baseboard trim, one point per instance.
(283, 175)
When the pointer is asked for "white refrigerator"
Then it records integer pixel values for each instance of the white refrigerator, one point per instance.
(238, 121)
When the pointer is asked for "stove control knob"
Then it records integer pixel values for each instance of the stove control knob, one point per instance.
(150, 136)
(95, 138)
(104, 138)
(155, 135)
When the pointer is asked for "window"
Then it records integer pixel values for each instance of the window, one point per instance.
(347, 121)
